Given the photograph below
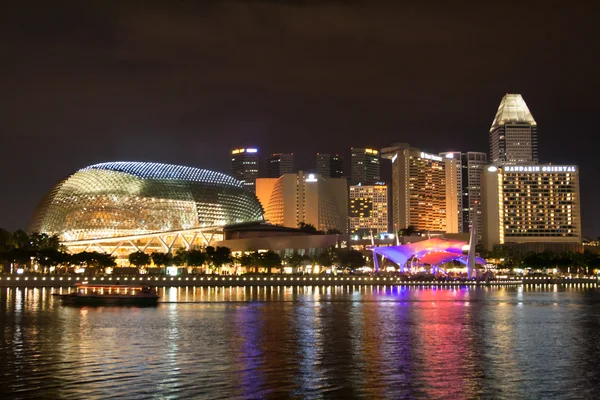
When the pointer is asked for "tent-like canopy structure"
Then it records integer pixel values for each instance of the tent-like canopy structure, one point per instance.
(433, 251)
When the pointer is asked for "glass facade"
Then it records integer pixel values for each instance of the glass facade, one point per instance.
(133, 198)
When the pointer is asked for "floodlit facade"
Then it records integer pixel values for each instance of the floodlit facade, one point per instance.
(469, 167)
(142, 205)
(531, 204)
(308, 198)
(368, 209)
(330, 165)
(245, 166)
(364, 166)
(424, 189)
(279, 164)
(513, 135)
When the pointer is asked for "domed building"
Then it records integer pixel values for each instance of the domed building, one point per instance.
(128, 202)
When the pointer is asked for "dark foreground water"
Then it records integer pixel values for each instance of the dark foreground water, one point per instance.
(338, 342)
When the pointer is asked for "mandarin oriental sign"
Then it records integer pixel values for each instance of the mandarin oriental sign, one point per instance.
(540, 168)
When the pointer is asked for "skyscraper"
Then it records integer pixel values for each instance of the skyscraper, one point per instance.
(364, 167)
(244, 166)
(531, 204)
(279, 164)
(368, 209)
(469, 167)
(298, 198)
(424, 190)
(330, 166)
(513, 135)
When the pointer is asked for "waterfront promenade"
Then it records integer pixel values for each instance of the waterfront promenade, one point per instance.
(273, 280)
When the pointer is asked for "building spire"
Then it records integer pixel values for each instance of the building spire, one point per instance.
(512, 109)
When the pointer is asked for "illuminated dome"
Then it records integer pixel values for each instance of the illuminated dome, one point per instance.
(133, 198)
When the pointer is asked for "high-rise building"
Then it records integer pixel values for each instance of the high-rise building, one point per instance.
(513, 135)
(364, 167)
(279, 164)
(245, 166)
(469, 167)
(368, 209)
(531, 204)
(330, 165)
(304, 198)
(424, 190)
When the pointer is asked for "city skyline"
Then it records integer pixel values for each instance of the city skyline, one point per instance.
(140, 88)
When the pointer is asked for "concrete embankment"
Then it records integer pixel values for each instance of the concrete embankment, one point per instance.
(266, 280)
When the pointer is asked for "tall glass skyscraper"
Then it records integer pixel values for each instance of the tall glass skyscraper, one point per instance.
(424, 189)
(279, 164)
(330, 165)
(469, 167)
(244, 166)
(513, 135)
(364, 167)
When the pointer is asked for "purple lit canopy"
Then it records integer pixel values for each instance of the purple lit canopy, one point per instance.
(433, 251)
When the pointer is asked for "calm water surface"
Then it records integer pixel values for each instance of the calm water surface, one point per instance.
(327, 342)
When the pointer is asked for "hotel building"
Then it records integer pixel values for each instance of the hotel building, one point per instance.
(469, 167)
(368, 209)
(304, 198)
(364, 167)
(513, 135)
(330, 165)
(424, 189)
(245, 166)
(279, 164)
(531, 204)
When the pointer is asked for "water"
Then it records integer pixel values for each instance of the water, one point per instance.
(328, 342)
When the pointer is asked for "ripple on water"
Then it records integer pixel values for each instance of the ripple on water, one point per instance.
(337, 342)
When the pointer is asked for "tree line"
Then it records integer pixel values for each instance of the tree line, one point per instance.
(562, 261)
(25, 250)
(20, 249)
(217, 257)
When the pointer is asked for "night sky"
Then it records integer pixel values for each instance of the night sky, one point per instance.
(84, 82)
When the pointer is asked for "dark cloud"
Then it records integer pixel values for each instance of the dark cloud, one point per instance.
(184, 82)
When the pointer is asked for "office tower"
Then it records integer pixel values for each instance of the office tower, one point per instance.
(244, 166)
(424, 190)
(330, 166)
(469, 167)
(364, 167)
(531, 204)
(308, 198)
(513, 135)
(279, 164)
(368, 211)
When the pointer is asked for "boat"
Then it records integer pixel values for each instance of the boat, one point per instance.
(130, 295)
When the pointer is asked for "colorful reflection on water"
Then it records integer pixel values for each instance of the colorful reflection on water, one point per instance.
(306, 342)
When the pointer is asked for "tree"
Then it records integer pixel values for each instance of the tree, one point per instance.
(104, 260)
(326, 258)
(294, 261)
(308, 228)
(408, 231)
(250, 260)
(181, 258)
(333, 231)
(196, 258)
(139, 259)
(351, 259)
(219, 256)
(269, 260)
(161, 259)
